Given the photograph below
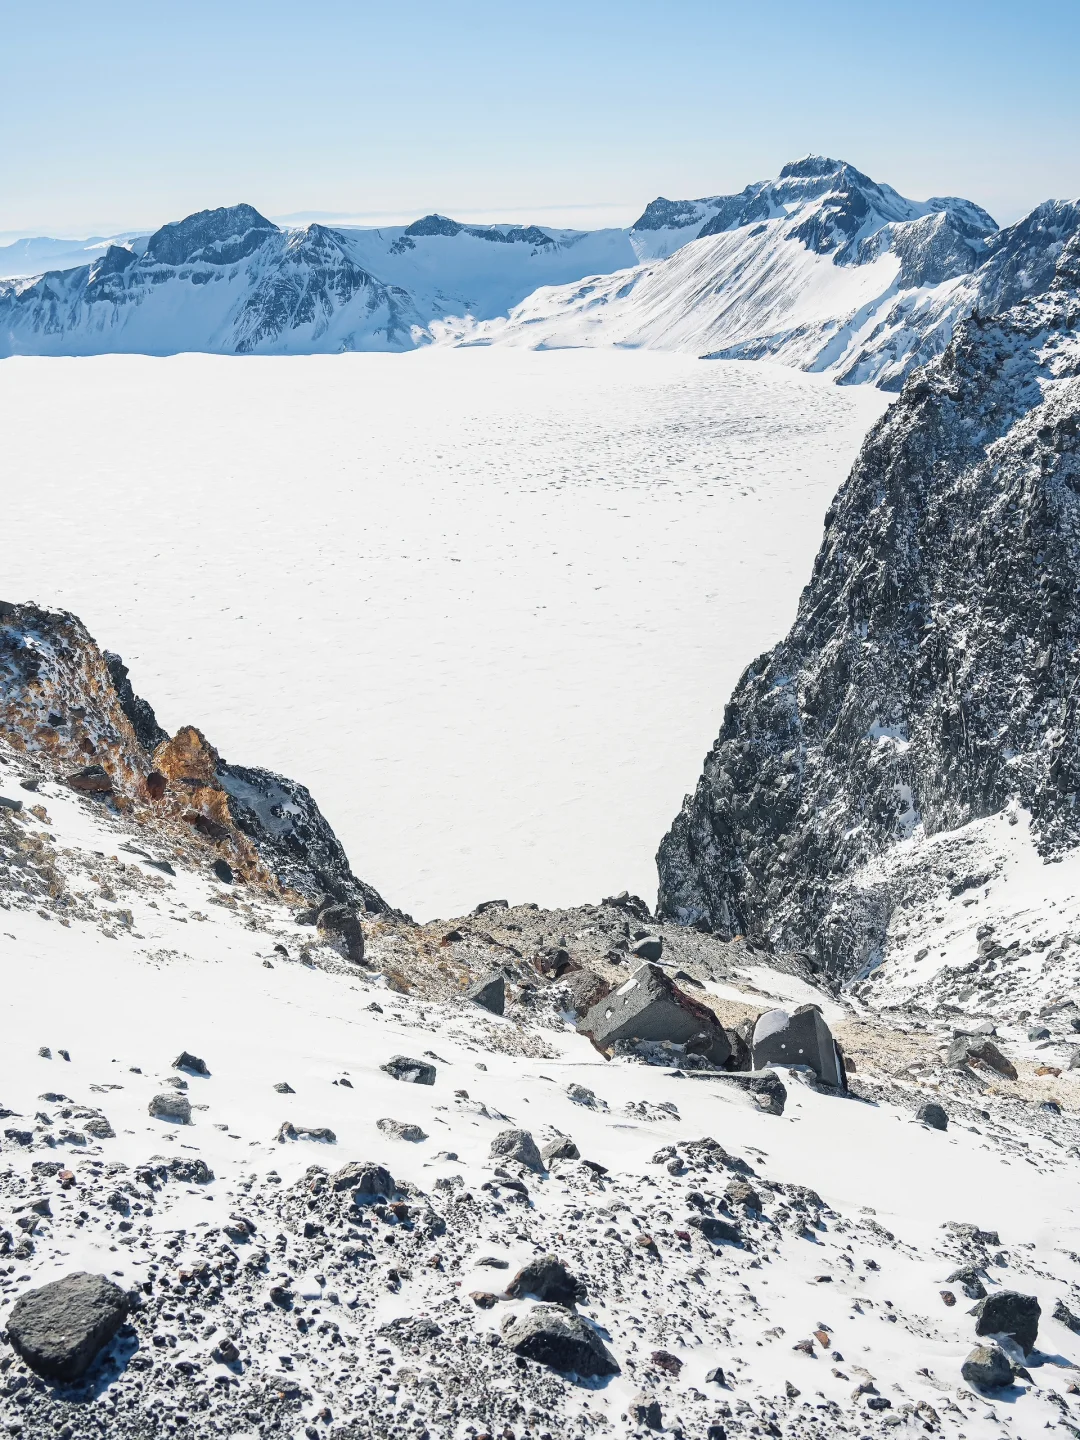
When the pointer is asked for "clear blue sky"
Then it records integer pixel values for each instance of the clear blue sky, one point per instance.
(121, 115)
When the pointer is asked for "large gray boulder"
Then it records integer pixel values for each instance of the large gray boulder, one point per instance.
(800, 1037)
(553, 1336)
(1007, 1312)
(650, 1006)
(987, 1367)
(364, 1178)
(59, 1329)
(764, 1087)
(517, 1145)
(171, 1105)
(980, 1049)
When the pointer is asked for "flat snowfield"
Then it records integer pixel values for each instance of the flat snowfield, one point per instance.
(487, 604)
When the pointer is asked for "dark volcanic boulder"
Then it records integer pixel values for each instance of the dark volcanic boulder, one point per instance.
(1007, 1312)
(342, 922)
(489, 993)
(932, 1114)
(60, 1328)
(547, 1278)
(931, 660)
(553, 1336)
(415, 1072)
(987, 1367)
(650, 1006)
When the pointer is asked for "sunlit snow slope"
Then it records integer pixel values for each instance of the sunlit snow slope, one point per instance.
(487, 604)
(822, 268)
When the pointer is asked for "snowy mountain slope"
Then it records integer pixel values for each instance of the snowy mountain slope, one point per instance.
(929, 679)
(267, 1297)
(230, 281)
(821, 269)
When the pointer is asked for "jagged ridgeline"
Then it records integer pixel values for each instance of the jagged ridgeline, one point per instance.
(932, 673)
(70, 707)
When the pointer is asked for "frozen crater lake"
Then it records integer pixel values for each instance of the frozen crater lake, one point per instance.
(487, 604)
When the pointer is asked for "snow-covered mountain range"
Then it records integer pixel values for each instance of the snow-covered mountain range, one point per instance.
(821, 268)
(231, 281)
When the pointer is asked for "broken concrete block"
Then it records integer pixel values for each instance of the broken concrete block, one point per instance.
(650, 1006)
(799, 1038)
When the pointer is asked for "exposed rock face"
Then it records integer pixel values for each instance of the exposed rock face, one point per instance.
(59, 1329)
(70, 707)
(929, 677)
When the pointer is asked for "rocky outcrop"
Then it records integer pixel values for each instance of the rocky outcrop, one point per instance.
(929, 678)
(69, 707)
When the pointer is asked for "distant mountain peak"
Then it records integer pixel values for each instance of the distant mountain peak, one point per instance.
(216, 237)
(811, 167)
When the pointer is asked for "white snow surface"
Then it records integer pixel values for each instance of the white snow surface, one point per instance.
(488, 605)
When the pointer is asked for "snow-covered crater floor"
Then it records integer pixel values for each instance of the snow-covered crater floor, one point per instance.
(488, 606)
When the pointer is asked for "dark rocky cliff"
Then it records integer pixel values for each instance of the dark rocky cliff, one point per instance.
(932, 671)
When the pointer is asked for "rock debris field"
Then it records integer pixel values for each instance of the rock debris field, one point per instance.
(272, 1191)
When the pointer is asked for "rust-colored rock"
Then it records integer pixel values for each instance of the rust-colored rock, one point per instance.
(91, 780)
